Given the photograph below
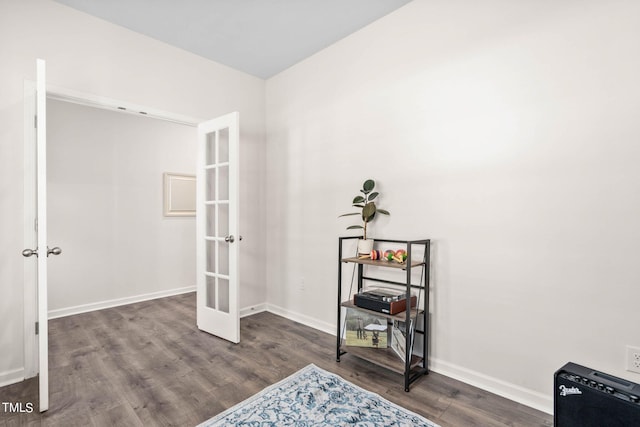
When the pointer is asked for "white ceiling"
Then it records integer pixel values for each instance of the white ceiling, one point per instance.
(260, 37)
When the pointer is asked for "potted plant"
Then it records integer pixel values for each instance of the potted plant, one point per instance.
(368, 212)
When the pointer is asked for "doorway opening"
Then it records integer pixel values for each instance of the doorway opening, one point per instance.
(70, 98)
(105, 196)
(114, 177)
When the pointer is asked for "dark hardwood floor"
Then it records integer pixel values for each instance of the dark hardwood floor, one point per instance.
(147, 364)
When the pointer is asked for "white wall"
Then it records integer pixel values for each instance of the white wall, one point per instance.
(88, 55)
(105, 207)
(505, 131)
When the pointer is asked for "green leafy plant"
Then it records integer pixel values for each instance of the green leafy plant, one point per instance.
(367, 206)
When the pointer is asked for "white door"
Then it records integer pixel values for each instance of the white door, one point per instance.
(41, 251)
(217, 233)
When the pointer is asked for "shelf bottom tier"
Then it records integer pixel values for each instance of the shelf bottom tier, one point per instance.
(384, 357)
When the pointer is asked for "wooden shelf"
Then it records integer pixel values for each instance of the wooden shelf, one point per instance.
(416, 366)
(384, 357)
(402, 316)
(382, 263)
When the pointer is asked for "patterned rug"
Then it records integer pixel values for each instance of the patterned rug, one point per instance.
(315, 397)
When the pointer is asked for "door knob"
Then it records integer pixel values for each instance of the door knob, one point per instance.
(29, 252)
(54, 251)
(230, 239)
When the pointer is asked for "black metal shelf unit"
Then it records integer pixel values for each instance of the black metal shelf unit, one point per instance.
(414, 366)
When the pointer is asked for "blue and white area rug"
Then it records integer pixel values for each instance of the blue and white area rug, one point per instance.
(315, 397)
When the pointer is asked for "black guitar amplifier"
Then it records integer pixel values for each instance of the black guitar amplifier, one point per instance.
(587, 398)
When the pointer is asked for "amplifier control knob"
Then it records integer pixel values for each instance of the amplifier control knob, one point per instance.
(592, 383)
(634, 399)
(585, 381)
(600, 386)
(609, 390)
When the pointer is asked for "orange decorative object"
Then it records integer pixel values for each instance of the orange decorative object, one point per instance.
(376, 254)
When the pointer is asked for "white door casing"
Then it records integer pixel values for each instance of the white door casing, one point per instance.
(217, 233)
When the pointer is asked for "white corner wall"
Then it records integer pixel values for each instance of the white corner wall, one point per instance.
(88, 55)
(105, 208)
(505, 131)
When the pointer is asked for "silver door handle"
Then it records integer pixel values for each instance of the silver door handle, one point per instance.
(29, 252)
(230, 239)
(54, 251)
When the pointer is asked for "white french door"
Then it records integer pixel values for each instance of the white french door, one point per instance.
(36, 189)
(218, 309)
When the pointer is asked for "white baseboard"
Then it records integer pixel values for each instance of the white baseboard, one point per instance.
(533, 399)
(302, 318)
(253, 309)
(11, 377)
(78, 309)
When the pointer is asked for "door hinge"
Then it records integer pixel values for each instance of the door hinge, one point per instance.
(35, 225)
(37, 328)
(35, 122)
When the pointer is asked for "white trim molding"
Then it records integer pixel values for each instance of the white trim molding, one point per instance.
(84, 308)
(533, 399)
(11, 377)
(302, 318)
(253, 309)
(88, 99)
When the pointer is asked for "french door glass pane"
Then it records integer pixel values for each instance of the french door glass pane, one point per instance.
(223, 178)
(211, 292)
(223, 295)
(223, 218)
(223, 257)
(223, 145)
(210, 156)
(210, 219)
(210, 192)
(211, 256)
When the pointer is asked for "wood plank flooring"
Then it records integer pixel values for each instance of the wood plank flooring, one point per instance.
(146, 364)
